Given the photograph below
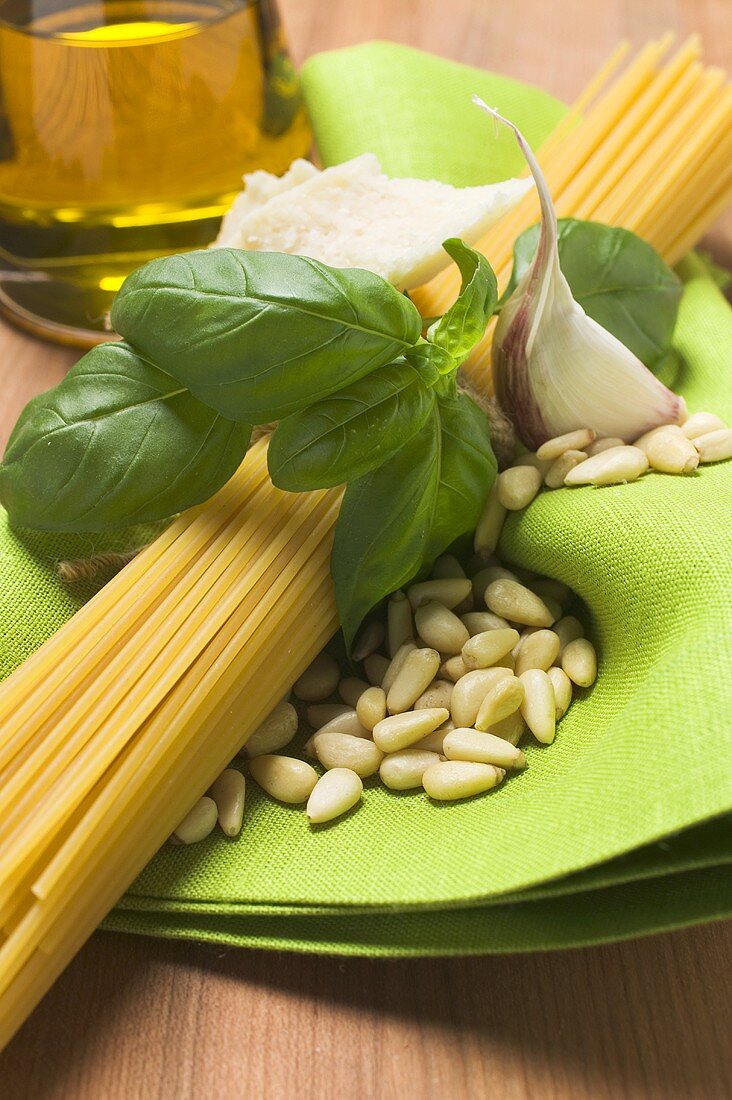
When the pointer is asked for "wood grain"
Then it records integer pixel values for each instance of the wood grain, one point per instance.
(135, 1019)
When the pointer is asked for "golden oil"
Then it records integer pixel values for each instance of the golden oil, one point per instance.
(125, 128)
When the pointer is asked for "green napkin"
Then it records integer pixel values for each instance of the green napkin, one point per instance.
(584, 845)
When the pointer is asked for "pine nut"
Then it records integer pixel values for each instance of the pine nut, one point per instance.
(371, 707)
(401, 771)
(284, 778)
(341, 750)
(714, 446)
(605, 444)
(433, 741)
(351, 689)
(319, 680)
(517, 603)
(438, 694)
(375, 668)
(553, 589)
(453, 779)
(702, 424)
(447, 567)
(228, 793)
(453, 669)
(557, 473)
(579, 661)
(320, 714)
(449, 592)
(614, 467)
(643, 440)
(470, 691)
(400, 628)
(510, 729)
(368, 640)
(518, 486)
(483, 650)
(490, 524)
(347, 722)
(503, 699)
(525, 633)
(198, 822)
(540, 650)
(399, 731)
(440, 628)
(396, 663)
(276, 731)
(562, 690)
(415, 675)
(482, 748)
(570, 441)
(539, 708)
(478, 621)
(333, 795)
(567, 629)
(672, 453)
(486, 576)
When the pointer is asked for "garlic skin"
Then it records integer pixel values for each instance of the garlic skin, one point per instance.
(555, 369)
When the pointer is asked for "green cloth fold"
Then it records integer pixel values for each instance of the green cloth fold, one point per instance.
(618, 828)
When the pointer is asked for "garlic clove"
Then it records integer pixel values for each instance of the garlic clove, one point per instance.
(556, 370)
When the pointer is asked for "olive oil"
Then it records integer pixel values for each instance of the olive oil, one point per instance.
(125, 128)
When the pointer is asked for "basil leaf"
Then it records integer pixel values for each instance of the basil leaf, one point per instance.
(618, 279)
(117, 442)
(383, 525)
(406, 512)
(467, 471)
(259, 335)
(464, 324)
(351, 432)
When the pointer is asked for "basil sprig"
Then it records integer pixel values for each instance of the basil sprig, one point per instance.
(618, 279)
(218, 340)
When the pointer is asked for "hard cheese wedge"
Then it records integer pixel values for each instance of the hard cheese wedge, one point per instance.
(353, 215)
(259, 188)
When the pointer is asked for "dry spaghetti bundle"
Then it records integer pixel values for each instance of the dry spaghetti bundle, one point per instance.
(118, 723)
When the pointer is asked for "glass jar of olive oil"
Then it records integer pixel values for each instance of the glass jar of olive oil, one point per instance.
(125, 128)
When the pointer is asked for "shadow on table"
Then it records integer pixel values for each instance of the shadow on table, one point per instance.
(638, 1019)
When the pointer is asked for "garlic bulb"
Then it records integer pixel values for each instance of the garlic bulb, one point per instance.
(556, 369)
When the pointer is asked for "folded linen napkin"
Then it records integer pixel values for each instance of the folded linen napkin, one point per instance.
(576, 849)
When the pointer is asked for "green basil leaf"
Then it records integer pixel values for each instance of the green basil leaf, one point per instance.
(406, 512)
(467, 472)
(117, 442)
(259, 335)
(346, 435)
(618, 279)
(464, 324)
(383, 525)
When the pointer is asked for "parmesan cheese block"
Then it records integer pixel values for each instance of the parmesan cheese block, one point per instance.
(353, 215)
(259, 188)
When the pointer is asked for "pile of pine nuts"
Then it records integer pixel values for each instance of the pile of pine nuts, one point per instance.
(470, 662)
(452, 673)
(583, 458)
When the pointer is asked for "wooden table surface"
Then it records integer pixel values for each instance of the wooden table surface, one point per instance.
(137, 1019)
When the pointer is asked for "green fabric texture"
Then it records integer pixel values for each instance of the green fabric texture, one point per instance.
(618, 828)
